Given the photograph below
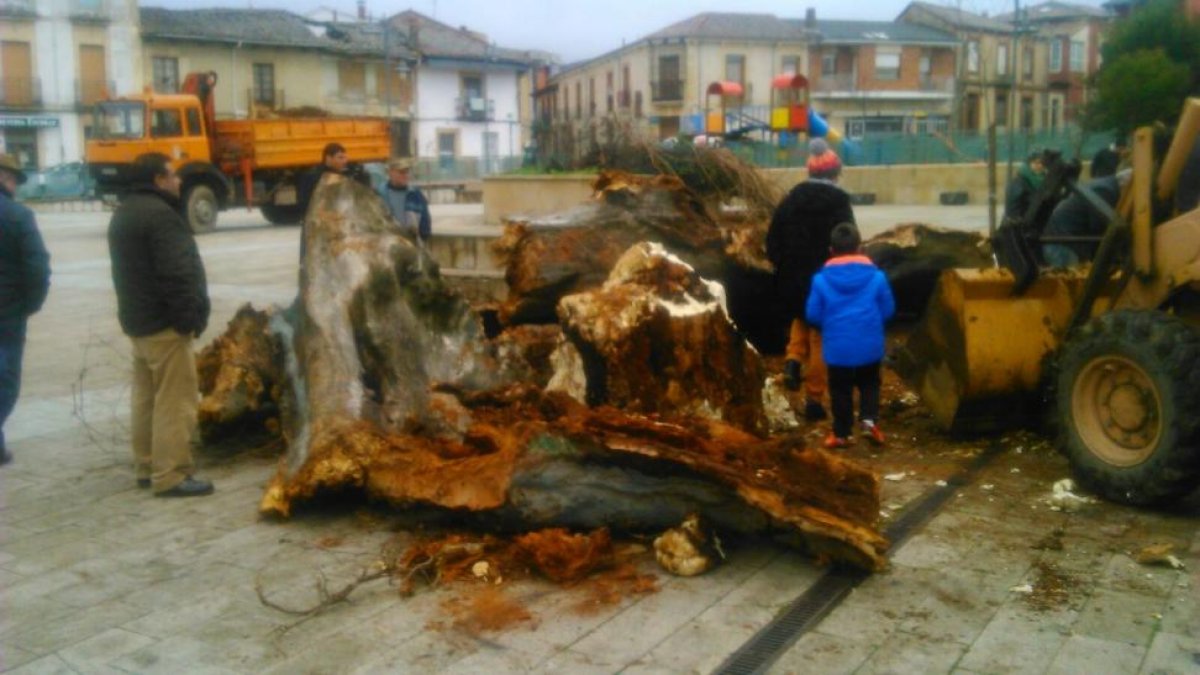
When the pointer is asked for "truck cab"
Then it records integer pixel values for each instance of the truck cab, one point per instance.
(173, 124)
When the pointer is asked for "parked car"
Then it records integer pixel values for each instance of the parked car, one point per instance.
(64, 181)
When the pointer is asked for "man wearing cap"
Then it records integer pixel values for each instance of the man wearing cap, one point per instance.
(24, 282)
(405, 202)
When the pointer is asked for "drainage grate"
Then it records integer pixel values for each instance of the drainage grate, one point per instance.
(822, 597)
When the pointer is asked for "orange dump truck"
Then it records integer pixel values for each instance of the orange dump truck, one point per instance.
(222, 163)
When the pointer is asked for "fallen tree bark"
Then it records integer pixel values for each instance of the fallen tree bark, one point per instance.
(394, 392)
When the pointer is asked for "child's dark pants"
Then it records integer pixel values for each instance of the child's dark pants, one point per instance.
(842, 381)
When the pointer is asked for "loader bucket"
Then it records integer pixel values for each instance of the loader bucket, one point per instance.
(976, 357)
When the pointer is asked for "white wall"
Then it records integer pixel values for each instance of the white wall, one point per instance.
(438, 90)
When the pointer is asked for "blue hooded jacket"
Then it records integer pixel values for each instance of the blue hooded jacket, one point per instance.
(850, 301)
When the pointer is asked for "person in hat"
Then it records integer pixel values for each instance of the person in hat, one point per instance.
(1019, 194)
(404, 201)
(823, 163)
(24, 282)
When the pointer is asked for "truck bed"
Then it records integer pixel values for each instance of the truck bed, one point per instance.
(295, 143)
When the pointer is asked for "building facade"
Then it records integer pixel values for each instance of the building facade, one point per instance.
(467, 113)
(57, 58)
(1072, 36)
(875, 77)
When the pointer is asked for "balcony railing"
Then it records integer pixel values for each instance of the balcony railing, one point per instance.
(20, 92)
(89, 10)
(666, 90)
(474, 109)
(18, 8)
(88, 92)
(846, 82)
(266, 98)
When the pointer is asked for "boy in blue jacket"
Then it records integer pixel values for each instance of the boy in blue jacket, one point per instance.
(850, 300)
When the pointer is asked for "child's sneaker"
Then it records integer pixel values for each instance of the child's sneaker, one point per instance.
(872, 432)
(833, 441)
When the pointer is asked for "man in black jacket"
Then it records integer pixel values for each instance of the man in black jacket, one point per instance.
(798, 245)
(162, 304)
(24, 281)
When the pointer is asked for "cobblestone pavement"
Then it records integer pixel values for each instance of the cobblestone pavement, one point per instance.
(99, 577)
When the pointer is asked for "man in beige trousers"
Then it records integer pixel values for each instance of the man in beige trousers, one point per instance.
(162, 304)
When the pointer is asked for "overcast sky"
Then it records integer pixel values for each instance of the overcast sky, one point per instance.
(580, 29)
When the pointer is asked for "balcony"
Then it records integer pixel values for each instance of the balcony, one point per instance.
(666, 91)
(18, 9)
(267, 98)
(89, 10)
(88, 92)
(20, 92)
(474, 109)
(847, 83)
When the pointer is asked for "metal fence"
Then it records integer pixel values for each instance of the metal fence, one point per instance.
(464, 168)
(930, 148)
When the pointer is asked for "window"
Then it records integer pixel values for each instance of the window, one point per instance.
(1026, 113)
(1055, 107)
(193, 119)
(829, 62)
(925, 66)
(17, 86)
(637, 104)
(578, 100)
(735, 68)
(447, 145)
(166, 74)
(352, 80)
(93, 77)
(790, 65)
(1001, 112)
(264, 84)
(973, 57)
(566, 109)
(391, 86)
(625, 103)
(1027, 64)
(591, 97)
(165, 123)
(1076, 56)
(1001, 60)
(1056, 55)
(887, 63)
(669, 86)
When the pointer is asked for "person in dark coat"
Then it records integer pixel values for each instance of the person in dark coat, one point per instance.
(1072, 216)
(333, 160)
(162, 305)
(1107, 159)
(1023, 186)
(798, 245)
(850, 302)
(24, 283)
(404, 201)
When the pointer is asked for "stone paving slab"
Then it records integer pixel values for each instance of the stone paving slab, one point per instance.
(98, 576)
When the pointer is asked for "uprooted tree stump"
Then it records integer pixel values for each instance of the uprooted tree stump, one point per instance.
(394, 392)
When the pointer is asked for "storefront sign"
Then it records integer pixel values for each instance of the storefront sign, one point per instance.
(29, 122)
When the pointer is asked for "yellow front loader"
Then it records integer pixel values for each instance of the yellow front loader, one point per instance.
(1110, 350)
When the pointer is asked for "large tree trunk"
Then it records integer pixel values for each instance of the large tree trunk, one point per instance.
(395, 393)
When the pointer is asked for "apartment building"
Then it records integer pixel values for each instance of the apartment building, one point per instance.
(1001, 72)
(57, 57)
(658, 85)
(1071, 36)
(467, 94)
(882, 77)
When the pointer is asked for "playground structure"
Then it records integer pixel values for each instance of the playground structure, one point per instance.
(789, 115)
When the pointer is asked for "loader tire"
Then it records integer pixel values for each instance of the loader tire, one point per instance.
(283, 215)
(201, 207)
(1127, 395)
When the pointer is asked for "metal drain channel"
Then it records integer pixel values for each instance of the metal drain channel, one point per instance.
(806, 611)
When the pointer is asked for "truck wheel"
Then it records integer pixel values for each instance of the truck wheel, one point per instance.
(282, 215)
(1127, 395)
(201, 208)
